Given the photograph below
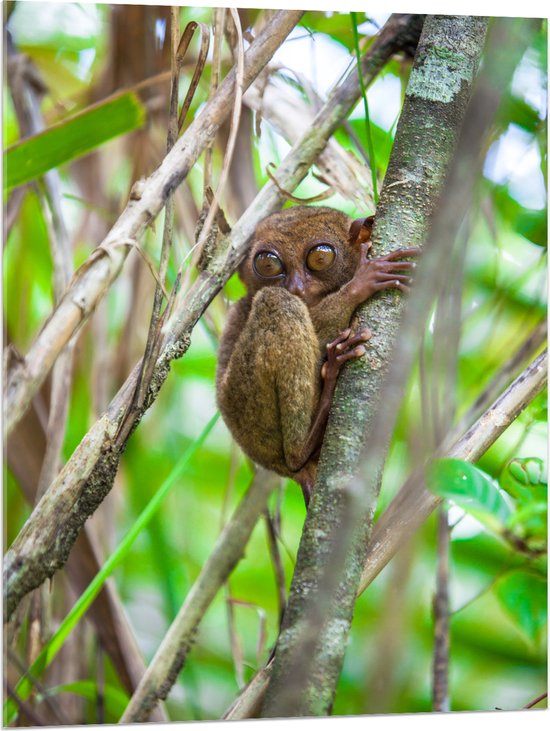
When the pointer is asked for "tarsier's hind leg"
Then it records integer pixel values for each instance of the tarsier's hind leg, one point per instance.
(270, 388)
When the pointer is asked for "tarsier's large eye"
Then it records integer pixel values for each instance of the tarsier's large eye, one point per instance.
(267, 264)
(320, 257)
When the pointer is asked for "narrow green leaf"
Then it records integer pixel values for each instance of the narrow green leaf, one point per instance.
(72, 138)
(52, 647)
(471, 489)
(524, 598)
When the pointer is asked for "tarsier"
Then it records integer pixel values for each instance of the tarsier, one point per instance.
(284, 343)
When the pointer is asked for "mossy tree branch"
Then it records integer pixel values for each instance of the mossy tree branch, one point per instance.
(332, 551)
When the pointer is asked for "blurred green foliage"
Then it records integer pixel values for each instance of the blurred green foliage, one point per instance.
(498, 641)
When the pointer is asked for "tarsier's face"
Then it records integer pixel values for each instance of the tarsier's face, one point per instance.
(308, 257)
(303, 274)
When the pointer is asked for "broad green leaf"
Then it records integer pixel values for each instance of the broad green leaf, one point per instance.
(335, 26)
(518, 111)
(523, 597)
(471, 489)
(72, 138)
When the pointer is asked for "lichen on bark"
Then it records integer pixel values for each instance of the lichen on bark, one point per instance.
(308, 661)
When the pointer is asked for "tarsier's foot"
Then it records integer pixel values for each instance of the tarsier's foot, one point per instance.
(345, 347)
(306, 479)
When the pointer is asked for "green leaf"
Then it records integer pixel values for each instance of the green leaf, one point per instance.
(72, 138)
(528, 222)
(523, 480)
(471, 489)
(523, 597)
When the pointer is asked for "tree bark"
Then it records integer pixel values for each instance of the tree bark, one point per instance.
(312, 642)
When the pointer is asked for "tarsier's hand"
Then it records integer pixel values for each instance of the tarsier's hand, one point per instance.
(345, 347)
(386, 272)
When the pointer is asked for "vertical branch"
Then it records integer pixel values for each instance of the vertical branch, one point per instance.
(446, 338)
(312, 643)
(441, 616)
(219, 25)
(277, 562)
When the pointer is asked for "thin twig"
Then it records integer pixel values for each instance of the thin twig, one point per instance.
(441, 617)
(230, 149)
(536, 700)
(219, 24)
(179, 46)
(277, 562)
(288, 195)
(413, 503)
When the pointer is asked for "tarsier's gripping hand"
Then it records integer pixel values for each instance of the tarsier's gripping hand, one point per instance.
(385, 272)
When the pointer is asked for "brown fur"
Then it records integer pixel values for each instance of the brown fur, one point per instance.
(269, 384)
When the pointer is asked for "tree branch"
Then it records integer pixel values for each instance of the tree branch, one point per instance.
(413, 503)
(312, 642)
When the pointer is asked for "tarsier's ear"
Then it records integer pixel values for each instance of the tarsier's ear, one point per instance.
(360, 230)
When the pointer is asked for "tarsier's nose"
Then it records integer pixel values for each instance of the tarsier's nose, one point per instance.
(296, 285)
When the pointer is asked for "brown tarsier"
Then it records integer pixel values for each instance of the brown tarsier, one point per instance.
(285, 341)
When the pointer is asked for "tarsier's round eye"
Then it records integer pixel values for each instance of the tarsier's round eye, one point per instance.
(320, 257)
(267, 264)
